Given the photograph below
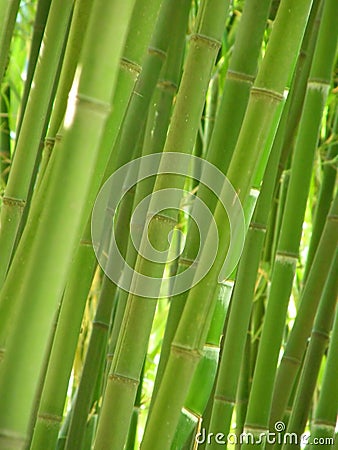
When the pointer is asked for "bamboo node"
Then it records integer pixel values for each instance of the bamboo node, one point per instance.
(7, 437)
(186, 261)
(252, 428)
(332, 217)
(131, 66)
(163, 218)
(50, 141)
(258, 226)
(264, 92)
(206, 40)
(50, 418)
(327, 425)
(99, 324)
(86, 242)
(240, 76)
(93, 104)
(157, 52)
(292, 360)
(187, 352)
(321, 334)
(10, 201)
(287, 258)
(225, 399)
(319, 84)
(124, 379)
(167, 85)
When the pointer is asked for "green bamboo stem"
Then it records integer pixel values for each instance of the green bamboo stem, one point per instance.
(41, 16)
(243, 391)
(240, 76)
(106, 301)
(8, 12)
(144, 18)
(5, 140)
(137, 108)
(266, 95)
(77, 30)
(210, 111)
(206, 370)
(94, 360)
(132, 435)
(287, 252)
(57, 227)
(324, 420)
(310, 297)
(50, 412)
(30, 136)
(324, 199)
(205, 373)
(181, 136)
(142, 94)
(318, 342)
(156, 130)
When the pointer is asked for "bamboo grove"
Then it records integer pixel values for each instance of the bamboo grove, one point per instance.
(168, 224)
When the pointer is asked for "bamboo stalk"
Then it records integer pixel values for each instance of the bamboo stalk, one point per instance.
(5, 141)
(77, 30)
(30, 136)
(324, 199)
(71, 313)
(318, 342)
(287, 252)
(324, 420)
(300, 332)
(41, 16)
(8, 12)
(266, 95)
(51, 245)
(182, 133)
(239, 79)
